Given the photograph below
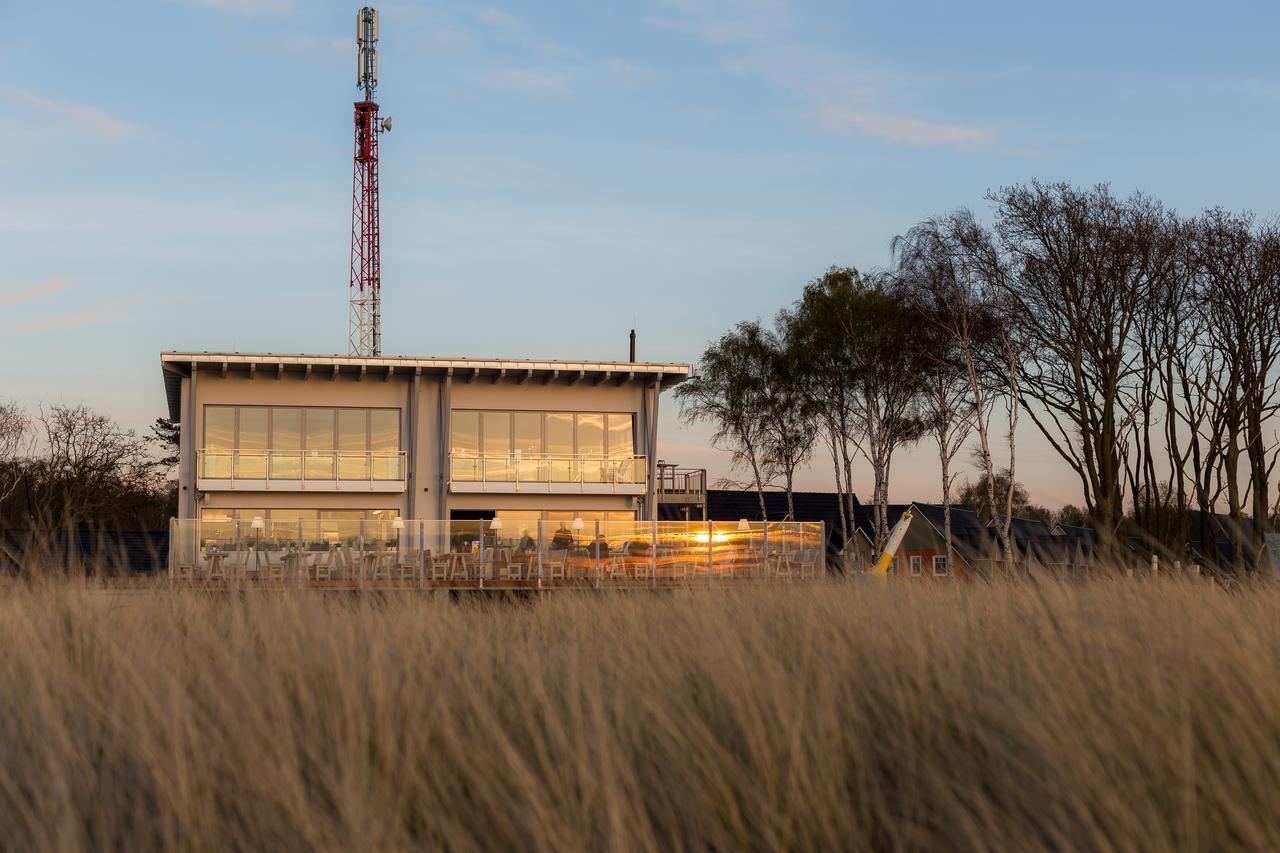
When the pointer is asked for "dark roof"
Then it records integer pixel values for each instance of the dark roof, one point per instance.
(1024, 529)
(733, 504)
(963, 520)
(1073, 531)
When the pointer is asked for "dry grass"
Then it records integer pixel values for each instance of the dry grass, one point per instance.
(895, 716)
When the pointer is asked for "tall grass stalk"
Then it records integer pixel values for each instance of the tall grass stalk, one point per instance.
(896, 716)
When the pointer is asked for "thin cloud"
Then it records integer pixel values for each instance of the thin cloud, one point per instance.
(76, 319)
(309, 47)
(624, 71)
(842, 98)
(529, 80)
(495, 17)
(723, 21)
(31, 294)
(244, 8)
(903, 130)
(81, 115)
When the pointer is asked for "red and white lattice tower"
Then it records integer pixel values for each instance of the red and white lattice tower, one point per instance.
(365, 323)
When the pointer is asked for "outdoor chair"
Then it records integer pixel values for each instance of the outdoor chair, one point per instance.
(275, 565)
(321, 568)
(556, 566)
(439, 566)
(408, 567)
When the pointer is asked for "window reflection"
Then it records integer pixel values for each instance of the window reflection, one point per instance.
(592, 447)
(293, 442)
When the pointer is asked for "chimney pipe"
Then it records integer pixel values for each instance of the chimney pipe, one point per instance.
(633, 345)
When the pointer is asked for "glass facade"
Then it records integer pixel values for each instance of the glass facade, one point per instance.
(502, 433)
(559, 447)
(291, 442)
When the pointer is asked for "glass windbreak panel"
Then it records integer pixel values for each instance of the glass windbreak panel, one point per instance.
(353, 444)
(624, 469)
(621, 436)
(496, 431)
(465, 433)
(384, 444)
(519, 529)
(590, 435)
(251, 443)
(528, 433)
(319, 464)
(286, 443)
(283, 526)
(465, 469)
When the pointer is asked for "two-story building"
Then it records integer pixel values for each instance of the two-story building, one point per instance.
(293, 438)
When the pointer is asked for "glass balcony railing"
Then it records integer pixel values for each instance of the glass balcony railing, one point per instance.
(578, 553)
(545, 469)
(301, 465)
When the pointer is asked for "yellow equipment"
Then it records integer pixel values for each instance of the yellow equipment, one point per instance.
(896, 536)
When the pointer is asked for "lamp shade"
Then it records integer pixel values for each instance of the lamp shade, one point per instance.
(496, 524)
(743, 525)
(397, 523)
(257, 523)
(578, 523)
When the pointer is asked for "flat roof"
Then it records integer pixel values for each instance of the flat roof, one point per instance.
(175, 365)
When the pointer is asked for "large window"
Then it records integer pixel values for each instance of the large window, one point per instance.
(500, 433)
(292, 442)
(502, 446)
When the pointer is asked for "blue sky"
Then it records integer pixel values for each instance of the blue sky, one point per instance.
(178, 174)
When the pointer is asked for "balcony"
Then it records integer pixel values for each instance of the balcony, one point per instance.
(300, 471)
(537, 473)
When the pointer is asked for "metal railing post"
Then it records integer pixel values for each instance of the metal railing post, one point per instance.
(235, 567)
(764, 549)
(299, 569)
(595, 546)
(653, 553)
(480, 554)
(711, 558)
(538, 524)
(360, 553)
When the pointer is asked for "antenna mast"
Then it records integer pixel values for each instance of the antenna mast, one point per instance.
(365, 320)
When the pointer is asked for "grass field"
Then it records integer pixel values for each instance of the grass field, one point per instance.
(1118, 715)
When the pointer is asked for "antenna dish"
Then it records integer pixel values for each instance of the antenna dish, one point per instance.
(386, 124)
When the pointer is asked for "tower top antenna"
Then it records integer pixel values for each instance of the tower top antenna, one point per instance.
(367, 51)
(364, 328)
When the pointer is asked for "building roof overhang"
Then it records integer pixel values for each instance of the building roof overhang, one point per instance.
(176, 365)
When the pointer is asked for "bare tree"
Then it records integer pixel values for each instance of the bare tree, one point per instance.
(15, 446)
(727, 392)
(816, 327)
(1079, 277)
(790, 426)
(91, 468)
(955, 267)
(1239, 264)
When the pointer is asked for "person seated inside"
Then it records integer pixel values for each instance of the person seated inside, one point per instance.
(526, 543)
(599, 548)
(562, 539)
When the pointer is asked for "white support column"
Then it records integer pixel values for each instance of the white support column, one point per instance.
(446, 416)
(189, 504)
